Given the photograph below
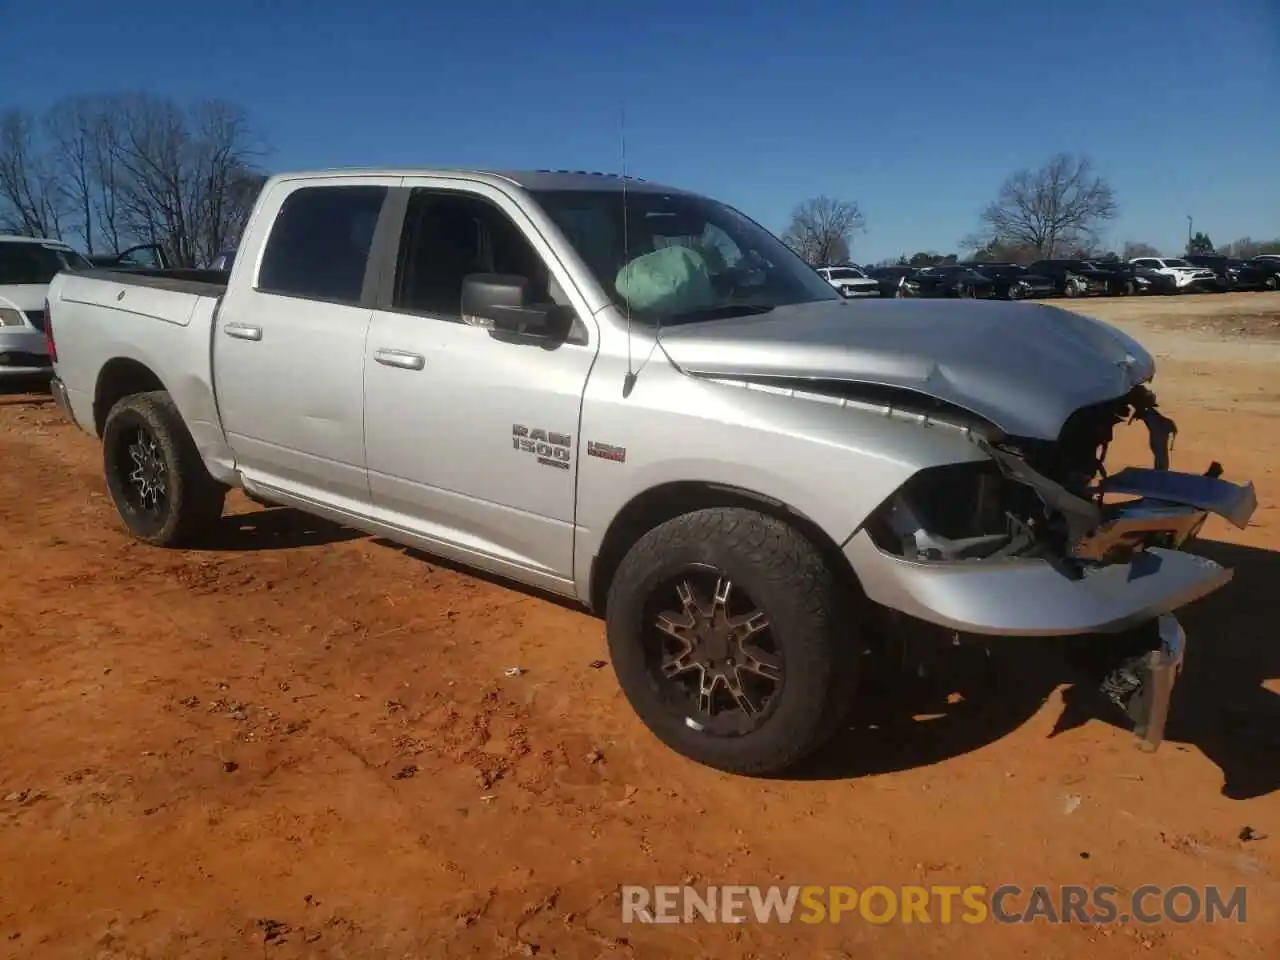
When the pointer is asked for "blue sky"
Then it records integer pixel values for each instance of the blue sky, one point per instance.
(915, 108)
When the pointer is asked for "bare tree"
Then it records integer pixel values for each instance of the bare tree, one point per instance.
(992, 250)
(104, 160)
(30, 200)
(1247, 247)
(822, 229)
(182, 175)
(72, 127)
(1063, 204)
(131, 168)
(1133, 248)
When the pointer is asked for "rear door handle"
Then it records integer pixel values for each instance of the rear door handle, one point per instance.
(242, 331)
(400, 358)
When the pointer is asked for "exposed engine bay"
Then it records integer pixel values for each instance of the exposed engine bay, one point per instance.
(1055, 500)
(1104, 548)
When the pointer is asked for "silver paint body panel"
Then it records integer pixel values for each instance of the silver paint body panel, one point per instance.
(402, 424)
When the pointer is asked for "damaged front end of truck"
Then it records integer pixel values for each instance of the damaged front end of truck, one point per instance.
(1027, 534)
(1038, 539)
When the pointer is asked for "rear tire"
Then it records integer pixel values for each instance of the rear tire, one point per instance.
(155, 474)
(691, 680)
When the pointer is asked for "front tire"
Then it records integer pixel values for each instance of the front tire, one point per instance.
(154, 472)
(729, 634)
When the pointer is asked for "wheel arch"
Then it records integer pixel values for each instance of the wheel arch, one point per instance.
(656, 505)
(120, 377)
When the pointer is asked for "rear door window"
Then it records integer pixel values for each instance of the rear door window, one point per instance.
(318, 248)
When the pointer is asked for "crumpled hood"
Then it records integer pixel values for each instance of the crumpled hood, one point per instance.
(1024, 367)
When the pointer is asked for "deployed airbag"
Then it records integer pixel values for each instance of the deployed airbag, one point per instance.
(674, 279)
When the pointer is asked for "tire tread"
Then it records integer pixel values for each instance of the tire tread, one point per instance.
(806, 589)
(197, 498)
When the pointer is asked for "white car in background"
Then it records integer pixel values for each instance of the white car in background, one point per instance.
(1186, 276)
(27, 266)
(850, 281)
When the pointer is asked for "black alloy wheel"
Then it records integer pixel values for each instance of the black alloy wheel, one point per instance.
(711, 653)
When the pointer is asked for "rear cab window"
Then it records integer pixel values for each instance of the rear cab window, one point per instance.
(318, 247)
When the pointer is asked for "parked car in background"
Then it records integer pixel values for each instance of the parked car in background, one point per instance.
(894, 281)
(144, 256)
(27, 266)
(1232, 273)
(1126, 279)
(1074, 278)
(1187, 277)
(1269, 264)
(850, 281)
(952, 280)
(1012, 281)
(930, 461)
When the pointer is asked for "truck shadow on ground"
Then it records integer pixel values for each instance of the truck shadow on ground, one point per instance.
(462, 570)
(973, 696)
(276, 528)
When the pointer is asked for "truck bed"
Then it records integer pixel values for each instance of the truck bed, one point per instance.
(204, 283)
(115, 329)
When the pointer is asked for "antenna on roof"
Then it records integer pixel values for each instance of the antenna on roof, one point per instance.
(629, 382)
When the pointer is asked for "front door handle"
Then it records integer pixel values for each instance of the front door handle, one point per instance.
(242, 331)
(400, 358)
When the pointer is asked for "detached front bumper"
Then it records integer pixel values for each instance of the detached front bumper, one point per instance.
(1032, 597)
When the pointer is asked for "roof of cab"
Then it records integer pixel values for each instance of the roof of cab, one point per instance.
(527, 179)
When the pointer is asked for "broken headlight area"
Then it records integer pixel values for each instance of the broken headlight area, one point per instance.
(1054, 500)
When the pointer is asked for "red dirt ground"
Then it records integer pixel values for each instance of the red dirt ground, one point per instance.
(302, 743)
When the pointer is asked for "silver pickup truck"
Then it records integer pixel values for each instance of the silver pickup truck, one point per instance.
(638, 398)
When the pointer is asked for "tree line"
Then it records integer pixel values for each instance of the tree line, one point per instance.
(1058, 210)
(111, 171)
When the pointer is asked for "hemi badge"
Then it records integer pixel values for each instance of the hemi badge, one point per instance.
(606, 451)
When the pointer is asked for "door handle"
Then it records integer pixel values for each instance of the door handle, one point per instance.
(400, 358)
(242, 331)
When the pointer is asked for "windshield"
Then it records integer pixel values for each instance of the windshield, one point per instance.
(678, 258)
(36, 263)
(1176, 263)
(845, 273)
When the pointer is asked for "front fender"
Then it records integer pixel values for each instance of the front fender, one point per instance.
(831, 460)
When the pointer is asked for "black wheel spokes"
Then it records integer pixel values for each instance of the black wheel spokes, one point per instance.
(146, 474)
(717, 655)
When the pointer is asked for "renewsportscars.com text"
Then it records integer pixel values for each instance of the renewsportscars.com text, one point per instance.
(971, 904)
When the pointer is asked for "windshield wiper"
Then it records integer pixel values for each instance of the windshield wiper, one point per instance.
(722, 312)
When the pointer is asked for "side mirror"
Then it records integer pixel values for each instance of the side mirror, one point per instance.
(501, 300)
